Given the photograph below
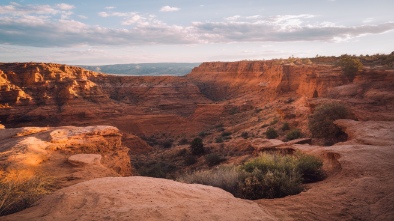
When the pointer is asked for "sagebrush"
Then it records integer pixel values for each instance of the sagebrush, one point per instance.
(270, 175)
(321, 122)
(19, 189)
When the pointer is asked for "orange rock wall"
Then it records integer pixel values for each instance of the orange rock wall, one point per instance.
(223, 80)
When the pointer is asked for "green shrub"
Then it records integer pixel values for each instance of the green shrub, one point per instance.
(197, 147)
(182, 152)
(226, 178)
(276, 175)
(219, 140)
(226, 134)
(321, 122)
(190, 160)
(271, 184)
(183, 141)
(285, 126)
(155, 169)
(293, 134)
(274, 121)
(271, 133)
(245, 135)
(234, 110)
(203, 134)
(167, 144)
(270, 175)
(350, 66)
(310, 168)
(213, 159)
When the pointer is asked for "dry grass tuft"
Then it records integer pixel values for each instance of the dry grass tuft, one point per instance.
(19, 189)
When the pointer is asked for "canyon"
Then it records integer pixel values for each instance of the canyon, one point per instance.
(54, 117)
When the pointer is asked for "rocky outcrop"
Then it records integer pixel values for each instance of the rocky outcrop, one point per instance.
(141, 198)
(379, 133)
(64, 151)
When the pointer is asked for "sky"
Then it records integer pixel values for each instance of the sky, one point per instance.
(99, 32)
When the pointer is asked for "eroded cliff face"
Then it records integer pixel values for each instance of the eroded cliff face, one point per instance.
(266, 81)
(225, 80)
(35, 94)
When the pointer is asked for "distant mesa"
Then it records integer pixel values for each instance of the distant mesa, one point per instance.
(145, 69)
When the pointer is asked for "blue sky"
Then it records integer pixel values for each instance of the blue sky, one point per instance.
(94, 32)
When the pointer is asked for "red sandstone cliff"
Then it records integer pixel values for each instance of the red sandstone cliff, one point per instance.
(224, 80)
(36, 94)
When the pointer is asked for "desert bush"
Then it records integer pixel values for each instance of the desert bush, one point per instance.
(19, 189)
(350, 65)
(197, 147)
(321, 122)
(271, 184)
(167, 144)
(234, 110)
(203, 134)
(219, 140)
(245, 135)
(226, 134)
(190, 160)
(310, 167)
(152, 141)
(183, 141)
(274, 121)
(182, 152)
(213, 159)
(293, 134)
(155, 169)
(285, 126)
(271, 133)
(224, 177)
(276, 175)
(270, 175)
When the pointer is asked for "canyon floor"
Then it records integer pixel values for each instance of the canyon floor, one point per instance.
(52, 114)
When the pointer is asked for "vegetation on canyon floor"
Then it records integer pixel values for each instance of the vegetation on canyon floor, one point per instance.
(270, 175)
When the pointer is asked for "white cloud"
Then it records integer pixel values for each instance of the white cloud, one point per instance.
(132, 20)
(169, 9)
(282, 28)
(110, 7)
(115, 14)
(368, 20)
(64, 6)
(17, 9)
(233, 18)
(253, 17)
(46, 26)
(103, 14)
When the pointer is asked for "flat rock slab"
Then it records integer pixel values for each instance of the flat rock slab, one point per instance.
(85, 159)
(379, 133)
